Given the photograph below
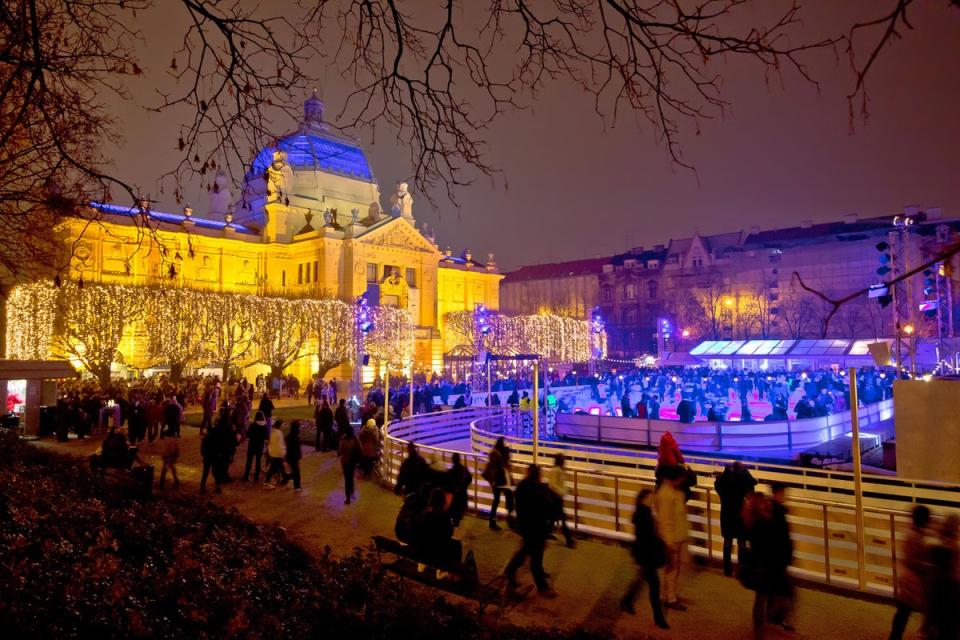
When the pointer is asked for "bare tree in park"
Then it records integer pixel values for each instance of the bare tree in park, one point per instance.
(177, 333)
(280, 329)
(230, 336)
(91, 321)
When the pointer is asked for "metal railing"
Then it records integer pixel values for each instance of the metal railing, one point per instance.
(604, 483)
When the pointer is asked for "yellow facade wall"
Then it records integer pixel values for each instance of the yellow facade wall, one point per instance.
(320, 263)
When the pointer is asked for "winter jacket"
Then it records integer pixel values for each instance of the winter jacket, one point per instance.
(277, 447)
(732, 487)
(671, 511)
(256, 437)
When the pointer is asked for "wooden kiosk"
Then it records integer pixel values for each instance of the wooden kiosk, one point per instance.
(41, 377)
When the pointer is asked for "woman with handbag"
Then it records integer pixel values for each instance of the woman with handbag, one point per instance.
(649, 553)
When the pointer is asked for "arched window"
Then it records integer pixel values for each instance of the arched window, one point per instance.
(652, 289)
(630, 292)
(606, 293)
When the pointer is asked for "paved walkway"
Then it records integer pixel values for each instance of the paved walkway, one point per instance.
(589, 579)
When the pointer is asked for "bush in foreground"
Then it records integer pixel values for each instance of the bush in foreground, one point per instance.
(81, 559)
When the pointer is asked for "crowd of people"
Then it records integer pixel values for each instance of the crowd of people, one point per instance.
(435, 495)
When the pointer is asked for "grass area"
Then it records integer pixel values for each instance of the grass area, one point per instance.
(81, 558)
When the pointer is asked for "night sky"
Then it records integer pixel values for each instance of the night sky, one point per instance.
(577, 187)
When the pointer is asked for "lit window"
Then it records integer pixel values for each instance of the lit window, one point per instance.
(300, 274)
(371, 272)
(411, 274)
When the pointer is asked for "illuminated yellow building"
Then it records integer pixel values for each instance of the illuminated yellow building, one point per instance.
(308, 223)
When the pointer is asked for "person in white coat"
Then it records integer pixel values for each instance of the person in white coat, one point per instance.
(671, 513)
(277, 451)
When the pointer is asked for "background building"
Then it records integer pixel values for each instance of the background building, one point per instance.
(569, 289)
(743, 285)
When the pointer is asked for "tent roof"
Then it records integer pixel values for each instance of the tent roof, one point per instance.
(36, 370)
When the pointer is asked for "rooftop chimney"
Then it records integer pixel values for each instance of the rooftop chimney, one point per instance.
(849, 218)
(806, 224)
(911, 210)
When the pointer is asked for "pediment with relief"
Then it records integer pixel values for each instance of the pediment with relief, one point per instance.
(400, 234)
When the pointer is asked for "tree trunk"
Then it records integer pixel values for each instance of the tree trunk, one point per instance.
(176, 371)
(224, 370)
(102, 373)
(275, 372)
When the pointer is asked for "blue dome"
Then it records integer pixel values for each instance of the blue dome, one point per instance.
(314, 150)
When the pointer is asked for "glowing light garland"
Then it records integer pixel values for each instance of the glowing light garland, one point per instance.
(391, 339)
(30, 317)
(554, 337)
(99, 324)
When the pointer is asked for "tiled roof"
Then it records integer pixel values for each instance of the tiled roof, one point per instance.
(307, 149)
(586, 267)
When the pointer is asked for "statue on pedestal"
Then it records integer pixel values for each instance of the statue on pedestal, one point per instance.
(402, 202)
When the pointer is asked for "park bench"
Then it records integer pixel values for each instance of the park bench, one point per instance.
(461, 579)
(138, 479)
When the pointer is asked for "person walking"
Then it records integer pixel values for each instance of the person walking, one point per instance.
(671, 518)
(943, 605)
(557, 481)
(342, 417)
(534, 522)
(349, 454)
(369, 447)
(293, 455)
(256, 439)
(276, 451)
(172, 415)
(169, 454)
(498, 474)
(326, 438)
(209, 406)
(266, 408)
(770, 554)
(211, 452)
(649, 552)
(456, 482)
(732, 486)
(913, 573)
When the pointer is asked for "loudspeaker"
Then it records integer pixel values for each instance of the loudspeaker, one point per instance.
(881, 353)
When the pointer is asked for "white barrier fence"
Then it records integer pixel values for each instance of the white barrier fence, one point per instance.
(781, 435)
(604, 484)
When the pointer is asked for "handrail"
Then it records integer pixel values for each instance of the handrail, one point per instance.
(600, 500)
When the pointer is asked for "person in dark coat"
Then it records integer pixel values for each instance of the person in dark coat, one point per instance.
(535, 512)
(649, 553)
(625, 409)
(266, 408)
(212, 450)
(137, 419)
(770, 553)
(499, 475)
(293, 455)
(456, 482)
(349, 454)
(732, 486)
(413, 472)
(686, 411)
(256, 439)
(342, 417)
(326, 438)
(435, 537)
